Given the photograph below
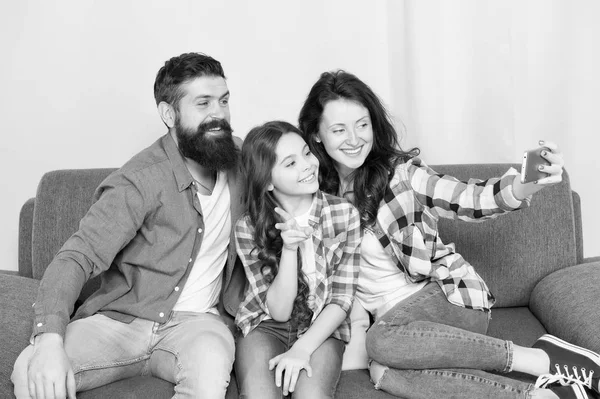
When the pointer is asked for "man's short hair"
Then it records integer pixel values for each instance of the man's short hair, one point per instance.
(181, 69)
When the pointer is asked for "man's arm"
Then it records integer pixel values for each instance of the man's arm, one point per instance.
(109, 225)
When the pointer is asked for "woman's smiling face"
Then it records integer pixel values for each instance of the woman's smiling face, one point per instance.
(346, 133)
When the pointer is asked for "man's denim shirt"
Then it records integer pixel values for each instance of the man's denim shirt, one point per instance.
(143, 233)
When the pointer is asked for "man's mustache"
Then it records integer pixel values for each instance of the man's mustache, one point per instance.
(214, 124)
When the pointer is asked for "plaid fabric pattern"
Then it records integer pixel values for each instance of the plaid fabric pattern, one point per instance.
(336, 238)
(407, 226)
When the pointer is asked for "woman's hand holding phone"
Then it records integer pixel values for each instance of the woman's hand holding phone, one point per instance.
(541, 167)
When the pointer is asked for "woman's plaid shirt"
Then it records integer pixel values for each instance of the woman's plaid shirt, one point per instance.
(336, 238)
(407, 226)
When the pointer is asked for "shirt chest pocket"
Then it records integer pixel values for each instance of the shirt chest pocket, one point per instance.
(333, 248)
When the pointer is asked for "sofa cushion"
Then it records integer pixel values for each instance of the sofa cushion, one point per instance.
(17, 294)
(515, 251)
(518, 325)
(356, 384)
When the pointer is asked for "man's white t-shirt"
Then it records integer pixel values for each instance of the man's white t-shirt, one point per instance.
(203, 286)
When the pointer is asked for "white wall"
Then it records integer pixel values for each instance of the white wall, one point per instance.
(483, 80)
(76, 76)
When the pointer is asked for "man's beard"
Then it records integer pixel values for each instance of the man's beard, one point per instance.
(214, 152)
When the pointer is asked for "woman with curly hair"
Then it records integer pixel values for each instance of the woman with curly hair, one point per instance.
(300, 251)
(430, 306)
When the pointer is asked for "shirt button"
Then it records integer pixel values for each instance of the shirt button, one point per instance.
(176, 288)
(190, 261)
(199, 230)
(161, 314)
(40, 324)
(320, 257)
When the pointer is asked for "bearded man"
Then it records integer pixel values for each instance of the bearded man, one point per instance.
(159, 234)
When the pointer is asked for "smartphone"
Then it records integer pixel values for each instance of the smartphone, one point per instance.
(532, 159)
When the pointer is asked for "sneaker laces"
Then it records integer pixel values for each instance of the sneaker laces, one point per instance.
(579, 377)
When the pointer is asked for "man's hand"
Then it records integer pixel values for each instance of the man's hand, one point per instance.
(289, 365)
(49, 373)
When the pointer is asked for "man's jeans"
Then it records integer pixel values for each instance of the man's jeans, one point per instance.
(271, 338)
(435, 349)
(194, 351)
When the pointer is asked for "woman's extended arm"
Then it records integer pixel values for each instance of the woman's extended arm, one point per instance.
(477, 199)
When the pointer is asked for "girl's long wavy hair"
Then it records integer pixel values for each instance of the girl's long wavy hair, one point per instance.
(373, 176)
(258, 160)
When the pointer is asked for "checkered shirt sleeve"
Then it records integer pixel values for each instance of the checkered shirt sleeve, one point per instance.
(345, 219)
(449, 197)
(253, 308)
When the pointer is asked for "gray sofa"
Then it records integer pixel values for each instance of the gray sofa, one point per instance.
(532, 260)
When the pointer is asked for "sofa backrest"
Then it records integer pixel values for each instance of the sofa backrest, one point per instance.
(515, 251)
(62, 199)
(512, 253)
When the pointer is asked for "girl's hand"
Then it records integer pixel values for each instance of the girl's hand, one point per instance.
(291, 234)
(288, 366)
(554, 156)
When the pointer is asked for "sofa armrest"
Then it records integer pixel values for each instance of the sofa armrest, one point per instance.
(566, 302)
(17, 294)
(25, 231)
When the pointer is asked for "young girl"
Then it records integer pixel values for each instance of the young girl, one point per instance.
(300, 250)
(431, 307)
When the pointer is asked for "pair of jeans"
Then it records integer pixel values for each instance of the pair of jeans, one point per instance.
(271, 338)
(435, 349)
(194, 351)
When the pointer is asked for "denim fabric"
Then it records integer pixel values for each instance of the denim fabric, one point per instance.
(437, 349)
(271, 338)
(193, 351)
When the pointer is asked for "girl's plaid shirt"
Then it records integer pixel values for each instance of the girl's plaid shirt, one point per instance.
(336, 238)
(407, 219)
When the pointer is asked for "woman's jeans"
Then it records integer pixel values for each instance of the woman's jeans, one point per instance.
(271, 338)
(435, 349)
(194, 351)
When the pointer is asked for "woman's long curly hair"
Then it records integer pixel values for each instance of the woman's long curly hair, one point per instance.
(373, 176)
(258, 160)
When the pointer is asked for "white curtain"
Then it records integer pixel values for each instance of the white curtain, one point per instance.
(484, 80)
